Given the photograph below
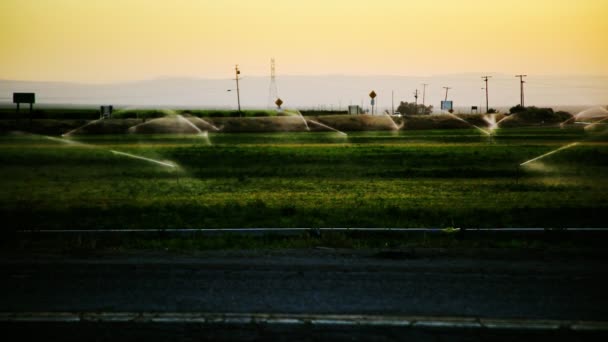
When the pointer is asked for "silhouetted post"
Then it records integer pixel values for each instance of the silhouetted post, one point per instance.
(416, 100)
(485, 78)
(373, 95)
(238, 91)
(521, 81)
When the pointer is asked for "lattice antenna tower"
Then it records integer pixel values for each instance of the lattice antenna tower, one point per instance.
(273, 93)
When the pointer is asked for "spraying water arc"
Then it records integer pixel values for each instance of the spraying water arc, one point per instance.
(129, 155)
(303, 120)
(68, 142)
(198, 130)
(67, 134)
(204, 122)
(470, 124)
(328, 127)
(134, 156)
(490, 119)
(135, 128)
(394, 124)
(592, 113)
(565, 147)
(592, 125)
(550, 153)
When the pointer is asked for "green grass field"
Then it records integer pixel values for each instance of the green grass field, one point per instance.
(450, 178)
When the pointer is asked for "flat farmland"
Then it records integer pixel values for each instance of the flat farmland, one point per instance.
(428, 178)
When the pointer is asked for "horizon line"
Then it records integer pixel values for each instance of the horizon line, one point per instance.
(194, 78)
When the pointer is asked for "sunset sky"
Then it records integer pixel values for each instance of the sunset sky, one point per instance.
(120, 40)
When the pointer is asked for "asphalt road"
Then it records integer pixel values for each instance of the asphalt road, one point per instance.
(309, 282)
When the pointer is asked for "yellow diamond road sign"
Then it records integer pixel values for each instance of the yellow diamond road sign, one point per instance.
(372, 94)
(279, 102)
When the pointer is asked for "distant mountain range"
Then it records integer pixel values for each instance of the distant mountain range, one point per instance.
(328, 92)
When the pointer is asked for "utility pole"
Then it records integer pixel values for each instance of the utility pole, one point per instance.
(416, 102)
(521, 81)
(238, 91)
(424, 94)
(485, 78)
(446, 92)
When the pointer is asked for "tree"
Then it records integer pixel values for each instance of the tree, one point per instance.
(537, 114)
(407, 108)
(517, 109)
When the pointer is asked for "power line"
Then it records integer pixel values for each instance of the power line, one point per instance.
(562, 86)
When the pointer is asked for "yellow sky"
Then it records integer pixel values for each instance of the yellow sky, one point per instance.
(111, 40)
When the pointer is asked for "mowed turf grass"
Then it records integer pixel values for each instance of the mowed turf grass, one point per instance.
(452, 178)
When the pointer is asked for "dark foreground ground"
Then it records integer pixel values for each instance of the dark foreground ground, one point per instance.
(313, 294)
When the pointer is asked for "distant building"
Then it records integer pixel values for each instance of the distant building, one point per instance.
(355, 110)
